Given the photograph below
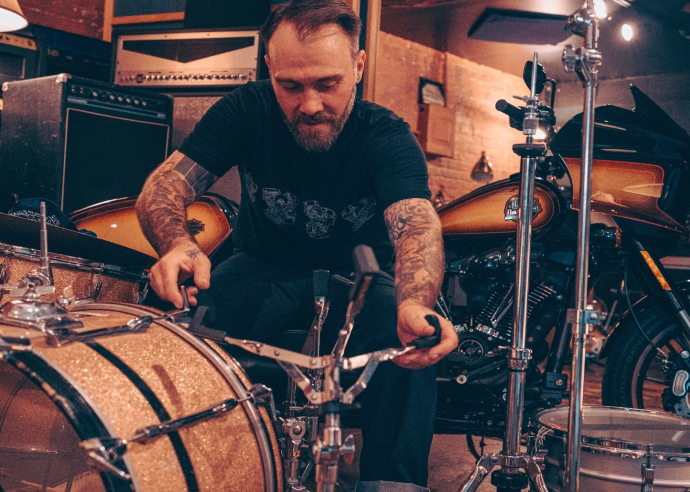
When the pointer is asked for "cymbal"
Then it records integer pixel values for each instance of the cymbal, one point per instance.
(17, 231)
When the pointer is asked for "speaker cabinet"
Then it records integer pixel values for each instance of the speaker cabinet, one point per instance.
(79, 142)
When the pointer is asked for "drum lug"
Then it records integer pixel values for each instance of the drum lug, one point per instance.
(263, 396)
(104, 452)
(4, 273)
(141, 295)
(647, 477)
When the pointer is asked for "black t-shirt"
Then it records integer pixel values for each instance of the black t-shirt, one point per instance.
(302, 209)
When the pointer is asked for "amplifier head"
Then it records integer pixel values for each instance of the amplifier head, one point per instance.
(187, 59)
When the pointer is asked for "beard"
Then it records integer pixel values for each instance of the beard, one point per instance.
(320, 138)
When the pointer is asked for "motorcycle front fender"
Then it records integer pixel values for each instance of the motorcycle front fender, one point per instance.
(627, 320)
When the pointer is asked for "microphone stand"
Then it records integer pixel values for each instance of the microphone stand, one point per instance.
(517, 468)
(585, 61)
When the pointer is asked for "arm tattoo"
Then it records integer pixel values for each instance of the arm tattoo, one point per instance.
(415, 231)
(197, 176)
(161, 206)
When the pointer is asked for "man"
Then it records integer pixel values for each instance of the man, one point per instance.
(322, 171)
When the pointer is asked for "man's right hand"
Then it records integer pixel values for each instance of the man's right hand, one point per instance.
(182, 261)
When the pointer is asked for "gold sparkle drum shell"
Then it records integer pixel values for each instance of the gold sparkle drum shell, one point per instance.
(620, 447)
(54, 398)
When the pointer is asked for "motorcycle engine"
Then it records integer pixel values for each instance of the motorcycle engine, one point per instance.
(480, 291)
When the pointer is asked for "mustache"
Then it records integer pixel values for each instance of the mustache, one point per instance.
(320, 117)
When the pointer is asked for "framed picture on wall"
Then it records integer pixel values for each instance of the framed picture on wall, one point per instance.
(431, 92)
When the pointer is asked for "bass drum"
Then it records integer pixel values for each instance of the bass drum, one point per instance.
(54, 398)
(623, 449)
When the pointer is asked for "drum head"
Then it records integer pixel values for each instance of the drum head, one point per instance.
(624, 427)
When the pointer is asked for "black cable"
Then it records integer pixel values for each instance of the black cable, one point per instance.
(472, 448)
(624, 288)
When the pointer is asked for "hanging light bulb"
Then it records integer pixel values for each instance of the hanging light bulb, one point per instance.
(482, 170)
(627, 32)
(11, 16)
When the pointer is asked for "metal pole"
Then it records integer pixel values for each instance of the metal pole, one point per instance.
(586, 63)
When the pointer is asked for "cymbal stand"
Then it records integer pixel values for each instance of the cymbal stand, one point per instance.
(585, 61)
(517, 468)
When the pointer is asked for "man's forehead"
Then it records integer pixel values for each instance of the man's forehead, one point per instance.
(287, 34)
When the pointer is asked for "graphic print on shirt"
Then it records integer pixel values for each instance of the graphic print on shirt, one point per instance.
(320, 219)
(359, 214)
(250, 186)
(281, 206)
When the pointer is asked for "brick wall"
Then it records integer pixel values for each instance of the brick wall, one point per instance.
(472, 89)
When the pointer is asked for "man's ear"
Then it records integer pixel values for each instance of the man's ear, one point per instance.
(268, 62)
(359, 65)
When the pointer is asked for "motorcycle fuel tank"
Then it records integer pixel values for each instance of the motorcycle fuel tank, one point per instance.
(492, 210)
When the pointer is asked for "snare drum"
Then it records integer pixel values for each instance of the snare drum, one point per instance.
(89, 280)
(623, 450)
(210, 220)
(52, 399)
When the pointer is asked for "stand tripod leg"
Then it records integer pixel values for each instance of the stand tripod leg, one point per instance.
(481, 470)
(536, 479)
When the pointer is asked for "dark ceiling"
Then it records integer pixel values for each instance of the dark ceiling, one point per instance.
(661, 44)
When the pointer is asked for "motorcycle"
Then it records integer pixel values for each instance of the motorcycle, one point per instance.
(641, 170)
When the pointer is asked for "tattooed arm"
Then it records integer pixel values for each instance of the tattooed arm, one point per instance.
(415, 231)
(161, 210)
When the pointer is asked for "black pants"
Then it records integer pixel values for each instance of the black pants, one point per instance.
(258, 301)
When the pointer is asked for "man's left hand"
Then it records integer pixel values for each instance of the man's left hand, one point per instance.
(412, 325)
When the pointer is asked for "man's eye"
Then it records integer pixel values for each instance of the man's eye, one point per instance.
(326, 87)
(291, 88)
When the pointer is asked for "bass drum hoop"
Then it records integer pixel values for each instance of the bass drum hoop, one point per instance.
(69, 407)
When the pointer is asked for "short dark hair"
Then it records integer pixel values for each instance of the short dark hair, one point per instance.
(310, 15)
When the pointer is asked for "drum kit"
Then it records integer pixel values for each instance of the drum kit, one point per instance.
(99, 393)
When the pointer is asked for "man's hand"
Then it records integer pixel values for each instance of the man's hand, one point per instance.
(412, 325)
(181, 262)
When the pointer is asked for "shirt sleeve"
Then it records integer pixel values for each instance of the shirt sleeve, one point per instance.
(218, 141)
(401, 169)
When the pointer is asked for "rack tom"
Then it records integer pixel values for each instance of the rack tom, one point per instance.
(623, 450)
(90, 280)
(58, 396)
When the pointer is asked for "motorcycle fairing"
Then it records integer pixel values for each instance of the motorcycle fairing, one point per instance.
(628, 147)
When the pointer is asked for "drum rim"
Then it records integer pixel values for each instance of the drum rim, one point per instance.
(253, 415)
(88, 405)
(621, 446)
(127, 273)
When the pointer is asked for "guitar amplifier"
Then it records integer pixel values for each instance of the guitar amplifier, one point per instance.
(78, 141)
(188, 60)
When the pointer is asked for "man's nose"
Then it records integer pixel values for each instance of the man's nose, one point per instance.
(311, 103)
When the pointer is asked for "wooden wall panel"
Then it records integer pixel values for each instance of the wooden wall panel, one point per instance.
(83, 17)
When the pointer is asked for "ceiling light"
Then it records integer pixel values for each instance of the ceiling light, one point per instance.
(11, 16)
(627, 32)
(600, 9)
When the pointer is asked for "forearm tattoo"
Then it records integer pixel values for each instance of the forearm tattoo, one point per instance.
(415, 231)
(161, 206)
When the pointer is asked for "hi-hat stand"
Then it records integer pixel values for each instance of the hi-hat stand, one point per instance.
(585, 61)
(517, 468)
